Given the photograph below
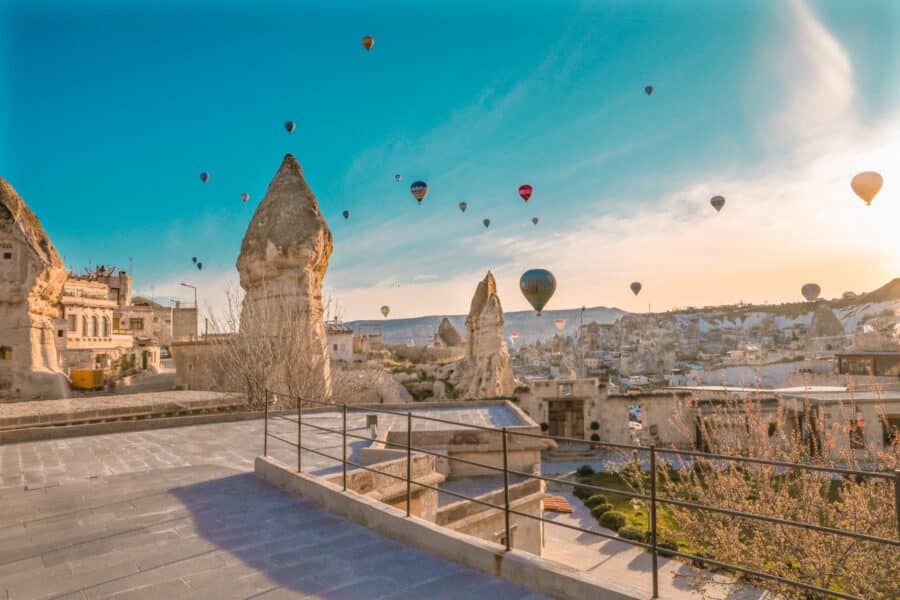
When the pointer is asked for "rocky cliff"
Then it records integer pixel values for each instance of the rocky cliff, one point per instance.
(31, 280)
(447, 335)
(282, 263)
(485, 371)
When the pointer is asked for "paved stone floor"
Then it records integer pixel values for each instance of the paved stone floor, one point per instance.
(176, 513)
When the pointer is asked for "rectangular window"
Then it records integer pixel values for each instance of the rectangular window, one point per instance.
(136, 324)
(890, 429)
(73, 323)
(5, 353)
(857, 435)
(7, 255)
(335, 347)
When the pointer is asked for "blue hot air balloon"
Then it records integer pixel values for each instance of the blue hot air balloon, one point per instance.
(419, 190)
(346, 214)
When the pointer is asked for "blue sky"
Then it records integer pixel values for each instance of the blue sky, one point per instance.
(111, 111)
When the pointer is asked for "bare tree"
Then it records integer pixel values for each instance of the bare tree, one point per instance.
(748, 428)
(265, 346)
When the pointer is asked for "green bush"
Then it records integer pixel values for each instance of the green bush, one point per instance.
(634, 534)
(582, 493)
(601, 509)
(596, 499)
(612, 519)
(667, 544)
(584, 470)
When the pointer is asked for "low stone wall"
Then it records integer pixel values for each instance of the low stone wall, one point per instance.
(522, 568)
(490, 524)
(382, 484)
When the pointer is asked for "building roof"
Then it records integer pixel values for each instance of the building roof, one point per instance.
(870, 353)
(338, 329)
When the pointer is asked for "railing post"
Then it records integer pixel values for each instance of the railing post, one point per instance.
(408, 460)
(653, 533)
(299, 434)
(897, 498)
(506, 488)
(344, 448)
(266, 425)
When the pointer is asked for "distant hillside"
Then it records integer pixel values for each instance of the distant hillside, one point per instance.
(529, 327)
(849, 311)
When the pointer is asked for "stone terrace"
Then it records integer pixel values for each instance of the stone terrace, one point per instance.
(176, 513)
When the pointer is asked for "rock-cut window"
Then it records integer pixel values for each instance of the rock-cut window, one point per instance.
(5, 353)
(105, 327)
(84, 327)
(93, 326)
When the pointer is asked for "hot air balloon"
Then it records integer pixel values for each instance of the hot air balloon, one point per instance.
(368, 41)
(346, 214)
(560, 324)
(537, 286)
(245, 196)
(513, 336)
(649, 89)
(717, 202)
(463, 206)
(397, 178)
(204, 177)
(636, 287)
(487, 223)
(385, 310)
(811, 291)
(289, 126)
(866, 185)
(419, 190)
(535, 220)
(200, 266)
(525, 191)
(194, 259)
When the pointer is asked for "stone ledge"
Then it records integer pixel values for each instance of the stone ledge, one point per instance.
(539, 574)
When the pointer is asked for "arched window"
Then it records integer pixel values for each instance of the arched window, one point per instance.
(105, 327)
(84, 329)
(93, 326)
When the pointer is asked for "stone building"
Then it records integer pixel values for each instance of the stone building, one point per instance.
(31, 281)
(340, 342)
(89, 340)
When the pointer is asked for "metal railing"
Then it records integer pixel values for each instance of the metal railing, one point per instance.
(654, 499)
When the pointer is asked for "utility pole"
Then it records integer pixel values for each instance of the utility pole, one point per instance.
(581, 341)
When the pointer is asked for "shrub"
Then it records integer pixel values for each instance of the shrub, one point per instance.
(595, 425)
(596, 499)
(582, 492)
(544, 426)
(584, 470)
(601, 509)
(595, 437)
(612, 519)
(666, 543)
(634, 534)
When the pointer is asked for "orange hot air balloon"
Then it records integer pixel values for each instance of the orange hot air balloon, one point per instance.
(866, 185)
(368, 42)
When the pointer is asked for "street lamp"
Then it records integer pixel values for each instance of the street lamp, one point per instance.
(193, 287)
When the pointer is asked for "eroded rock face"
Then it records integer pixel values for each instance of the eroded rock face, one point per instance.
(485, 371)
(447, 336)
(31, 281)
(282, 263)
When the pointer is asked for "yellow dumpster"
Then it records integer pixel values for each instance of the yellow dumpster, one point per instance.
(87, 379)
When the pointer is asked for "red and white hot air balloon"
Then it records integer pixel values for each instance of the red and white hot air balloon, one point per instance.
(525, 191)
(560, 324)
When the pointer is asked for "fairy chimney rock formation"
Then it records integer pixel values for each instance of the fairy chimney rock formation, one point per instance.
(31, 281)
(486, 370)
(447, 335)
(282, 263)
